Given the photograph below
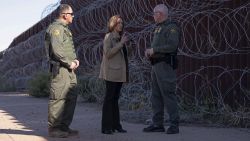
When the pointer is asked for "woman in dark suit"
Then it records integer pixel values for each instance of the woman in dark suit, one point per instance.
(114, 70)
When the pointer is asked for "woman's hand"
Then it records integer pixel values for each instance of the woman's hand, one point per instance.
(124, 38)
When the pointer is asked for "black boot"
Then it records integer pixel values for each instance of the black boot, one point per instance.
(107, 131)
(120, 130)
(173, 130)
(154, 128)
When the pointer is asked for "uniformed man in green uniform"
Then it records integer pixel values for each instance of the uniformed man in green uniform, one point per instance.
(63, 62)
(162, 55)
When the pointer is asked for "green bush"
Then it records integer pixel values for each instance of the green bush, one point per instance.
(91, 88)
(5, 85)
(38, 86)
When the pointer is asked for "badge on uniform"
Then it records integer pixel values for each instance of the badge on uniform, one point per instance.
(173, 30)
(56, 32)
(157, 30)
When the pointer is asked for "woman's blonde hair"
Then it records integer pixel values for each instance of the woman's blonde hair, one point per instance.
(113, 21)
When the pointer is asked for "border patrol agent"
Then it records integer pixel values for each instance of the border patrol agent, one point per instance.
(162, 55)
(62, 59)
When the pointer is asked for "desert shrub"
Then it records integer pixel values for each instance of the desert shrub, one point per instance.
(38, 86)
(5, 85)
(91, 88)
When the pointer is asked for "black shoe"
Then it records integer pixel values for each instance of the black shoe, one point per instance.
(120, 130)
(73, 132)
(58, 133)
(154, 128)
(107, 131)
(173, 130)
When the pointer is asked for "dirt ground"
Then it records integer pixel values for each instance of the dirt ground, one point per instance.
(24, 118)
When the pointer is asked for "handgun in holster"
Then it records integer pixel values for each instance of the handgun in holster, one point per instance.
(54, 68)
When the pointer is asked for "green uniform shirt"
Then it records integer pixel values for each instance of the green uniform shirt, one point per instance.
(60, 44)
(166, 38)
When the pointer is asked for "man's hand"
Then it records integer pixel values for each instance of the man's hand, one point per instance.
(74, 64)
(146, 53)
(149, 52)
(77, 63)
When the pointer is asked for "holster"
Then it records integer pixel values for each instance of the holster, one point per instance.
(170, 59)
(54, 68)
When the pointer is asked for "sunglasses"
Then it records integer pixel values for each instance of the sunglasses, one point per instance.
(72, 14)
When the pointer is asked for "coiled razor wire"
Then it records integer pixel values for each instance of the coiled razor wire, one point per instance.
(209, 29)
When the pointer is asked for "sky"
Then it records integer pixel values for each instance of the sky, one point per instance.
(19, 15)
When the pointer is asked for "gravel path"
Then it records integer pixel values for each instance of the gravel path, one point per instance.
(24, 118)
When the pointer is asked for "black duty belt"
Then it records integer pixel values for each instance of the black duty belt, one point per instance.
(171, 60)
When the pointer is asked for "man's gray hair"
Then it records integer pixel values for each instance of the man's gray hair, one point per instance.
(62, 8)
(163, 8)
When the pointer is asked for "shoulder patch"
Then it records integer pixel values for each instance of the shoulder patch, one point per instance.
(56, 32)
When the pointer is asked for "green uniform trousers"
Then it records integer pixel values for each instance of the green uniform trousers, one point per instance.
(163, 94)
(62, 100)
